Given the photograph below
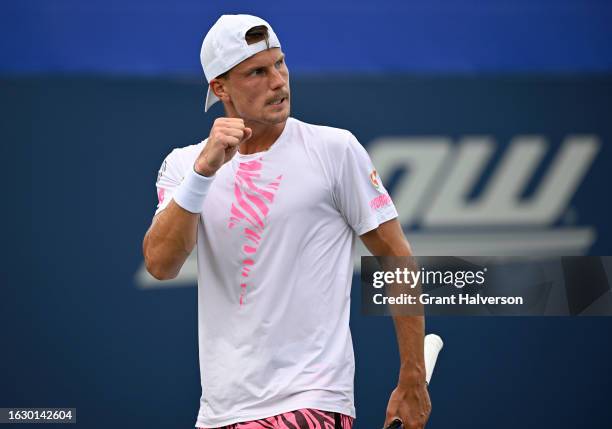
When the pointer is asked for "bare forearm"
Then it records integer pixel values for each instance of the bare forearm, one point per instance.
(409, 402)
(410, 332)
(388, 241)
(169, 241)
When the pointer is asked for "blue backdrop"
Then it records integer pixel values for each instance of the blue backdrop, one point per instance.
(162, 36)
(82, 328)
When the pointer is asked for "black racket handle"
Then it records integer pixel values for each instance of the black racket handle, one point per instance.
(395, 424)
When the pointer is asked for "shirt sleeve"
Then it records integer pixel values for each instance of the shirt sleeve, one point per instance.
(169, 177)
(359, 193)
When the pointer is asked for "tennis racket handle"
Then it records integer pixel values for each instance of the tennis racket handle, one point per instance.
(433, 345)
(395, 424)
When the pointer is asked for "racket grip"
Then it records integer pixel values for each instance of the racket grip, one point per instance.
(395, 424)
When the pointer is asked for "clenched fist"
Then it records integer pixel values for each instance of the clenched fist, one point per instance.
(225, 137)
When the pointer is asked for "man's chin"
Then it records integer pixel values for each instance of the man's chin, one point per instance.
(269, 118)
(278, 117)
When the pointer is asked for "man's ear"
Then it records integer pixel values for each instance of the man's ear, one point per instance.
(219, 89)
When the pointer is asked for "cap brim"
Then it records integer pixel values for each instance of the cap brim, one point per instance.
(211, 99)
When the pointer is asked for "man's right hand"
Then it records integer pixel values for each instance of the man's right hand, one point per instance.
(223, 142)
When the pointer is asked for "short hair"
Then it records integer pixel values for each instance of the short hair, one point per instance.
(257, 34)
(254, 35)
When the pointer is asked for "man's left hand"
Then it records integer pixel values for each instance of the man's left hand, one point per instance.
(411, 404)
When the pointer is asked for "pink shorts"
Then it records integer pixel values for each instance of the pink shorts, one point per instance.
(306, 418)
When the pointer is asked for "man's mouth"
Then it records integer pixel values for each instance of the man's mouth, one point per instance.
(277, 101)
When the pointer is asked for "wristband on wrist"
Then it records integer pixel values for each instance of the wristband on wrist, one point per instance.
(192, 191)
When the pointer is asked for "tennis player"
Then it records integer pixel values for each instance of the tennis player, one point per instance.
(274, 205)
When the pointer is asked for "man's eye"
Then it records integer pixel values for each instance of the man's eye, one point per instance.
(256, 72)
(279, 63)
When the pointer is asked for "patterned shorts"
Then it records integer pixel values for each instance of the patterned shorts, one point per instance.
(306, 418)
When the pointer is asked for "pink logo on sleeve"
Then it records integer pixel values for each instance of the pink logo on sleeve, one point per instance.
(160, 195)
(250, 208)
(380, 201)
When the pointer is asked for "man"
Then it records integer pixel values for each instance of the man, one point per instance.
(274, 206)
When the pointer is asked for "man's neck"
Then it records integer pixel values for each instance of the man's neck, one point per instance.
(263, 137)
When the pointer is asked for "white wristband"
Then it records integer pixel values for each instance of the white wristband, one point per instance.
(191, 193)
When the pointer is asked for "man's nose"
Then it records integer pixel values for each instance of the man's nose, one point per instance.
(276, 79)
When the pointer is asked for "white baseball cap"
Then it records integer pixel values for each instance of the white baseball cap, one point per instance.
(225, 46)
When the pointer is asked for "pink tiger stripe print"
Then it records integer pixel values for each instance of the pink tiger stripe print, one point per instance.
(288, 420)
(246, 179)
(313, 422)
(246, 207)
(251, 205)
(259, 203)
(252, 233)
(306, 418)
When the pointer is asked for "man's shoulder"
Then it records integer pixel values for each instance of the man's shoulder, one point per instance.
(327, 138)
(325, 131)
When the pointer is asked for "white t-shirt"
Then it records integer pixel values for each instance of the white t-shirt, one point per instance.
(274, 246)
